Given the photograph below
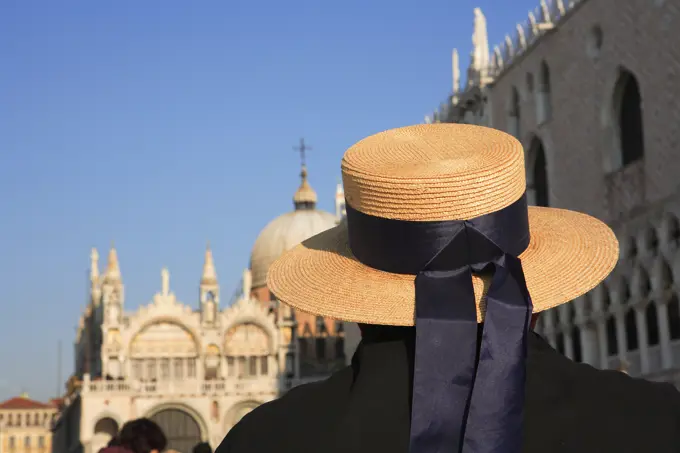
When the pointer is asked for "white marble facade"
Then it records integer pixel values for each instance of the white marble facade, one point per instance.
(196, 372)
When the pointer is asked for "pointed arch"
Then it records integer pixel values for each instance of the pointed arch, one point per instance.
(627, 119)
(669, 229)
(543, 100)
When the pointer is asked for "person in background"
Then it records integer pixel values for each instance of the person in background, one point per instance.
(138, 436)
(203, 447)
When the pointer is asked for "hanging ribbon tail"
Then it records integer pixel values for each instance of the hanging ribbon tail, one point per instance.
(446, 348)
(496, 416)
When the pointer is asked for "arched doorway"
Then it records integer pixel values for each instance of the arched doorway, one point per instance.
(104, 430)
(180, 428)
(238, 411)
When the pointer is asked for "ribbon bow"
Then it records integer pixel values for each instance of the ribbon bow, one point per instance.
(468, 393)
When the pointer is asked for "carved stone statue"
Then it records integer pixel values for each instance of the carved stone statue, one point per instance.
(209, 311)
(114, 312)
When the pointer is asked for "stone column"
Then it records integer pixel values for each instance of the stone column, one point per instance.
(589, 349)
(568, 341)
(621, 334)
(641, 322)
(603, 345)
(664, 334)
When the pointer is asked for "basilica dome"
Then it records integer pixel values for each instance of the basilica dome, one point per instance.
(288, 230)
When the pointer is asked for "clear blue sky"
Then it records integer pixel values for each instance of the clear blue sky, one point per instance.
(161, 125)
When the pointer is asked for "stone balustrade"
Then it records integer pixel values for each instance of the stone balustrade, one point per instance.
(213, 387)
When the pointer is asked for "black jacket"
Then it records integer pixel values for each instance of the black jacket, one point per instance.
(570, 407)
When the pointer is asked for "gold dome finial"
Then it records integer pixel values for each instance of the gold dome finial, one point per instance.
(305, 197)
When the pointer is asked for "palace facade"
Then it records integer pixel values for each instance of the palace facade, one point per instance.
(590, 88)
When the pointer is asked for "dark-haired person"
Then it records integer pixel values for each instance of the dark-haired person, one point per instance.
(444, 265)
(203, 447)
(138, 436)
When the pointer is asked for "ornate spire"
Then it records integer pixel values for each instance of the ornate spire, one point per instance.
(165, 282)
(94, 265)
(112, 267)
(456, 72)
(209, 274)
(479, 59)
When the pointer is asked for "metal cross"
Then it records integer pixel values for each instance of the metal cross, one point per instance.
(302, 148)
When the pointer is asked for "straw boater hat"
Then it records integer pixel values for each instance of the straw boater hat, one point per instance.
(438, 172)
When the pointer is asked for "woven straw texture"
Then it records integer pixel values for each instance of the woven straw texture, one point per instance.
(438, 172)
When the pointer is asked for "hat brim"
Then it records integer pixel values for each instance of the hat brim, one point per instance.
(570, 253)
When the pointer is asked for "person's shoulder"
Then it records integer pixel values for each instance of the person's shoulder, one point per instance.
(281, 423)
(622, 407)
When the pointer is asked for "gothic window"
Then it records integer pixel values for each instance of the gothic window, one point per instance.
(321, 348)
(674, 318)
(652, 325)
(576, 344)
(559, 343)
(630, 247)
(264, 365)
(178, 371)
(241, 367)
(538, 174)
(544, 107)
(320, 325)
(631, 330)
(514, 114)
(670, 229)
(649, 240)
(628, 114)
(252, 366)
(339, 348)
(231, 372)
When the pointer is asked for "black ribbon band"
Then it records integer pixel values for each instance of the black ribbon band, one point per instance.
(467, 398)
